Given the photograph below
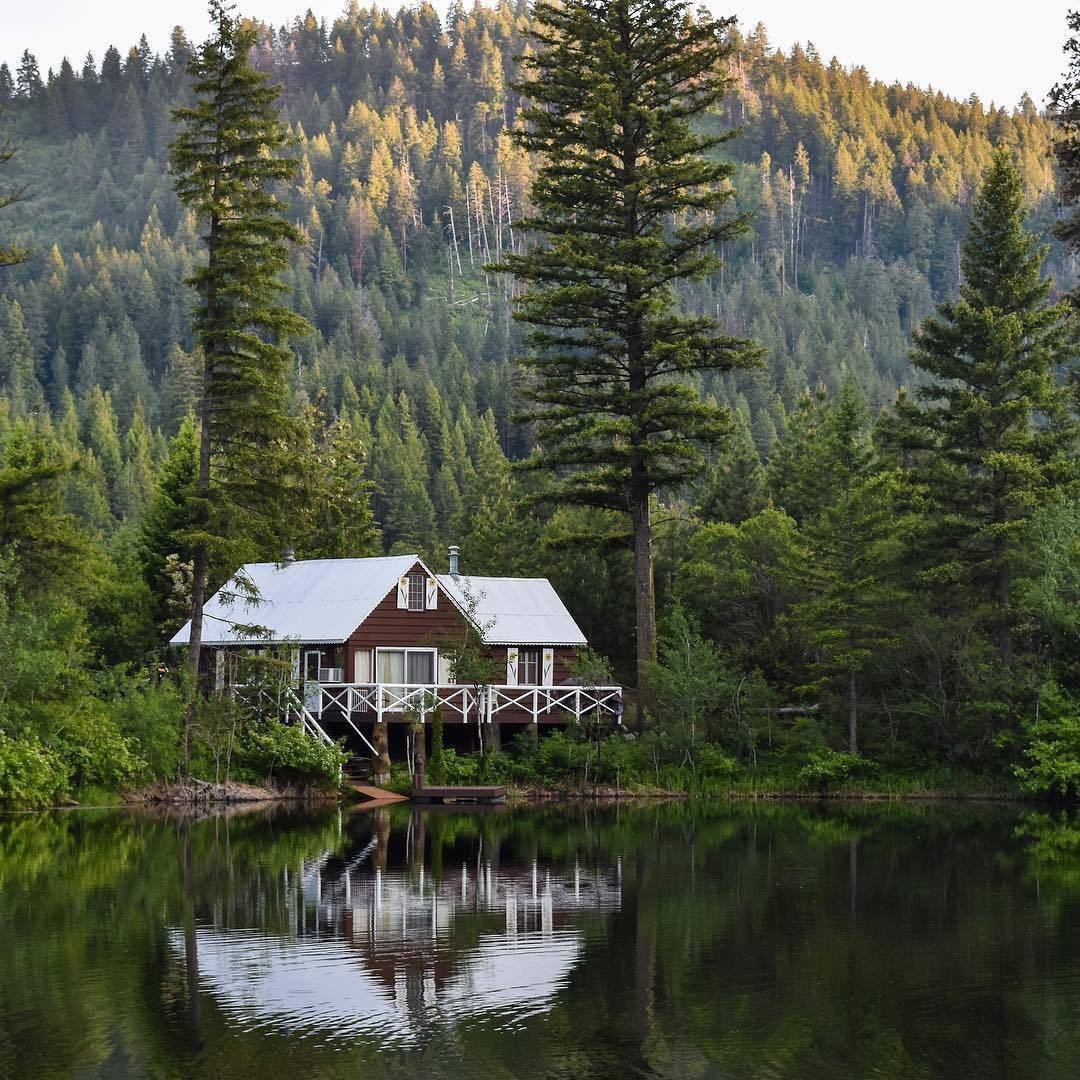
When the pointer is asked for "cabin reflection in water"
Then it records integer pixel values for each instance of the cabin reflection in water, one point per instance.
(383, 945)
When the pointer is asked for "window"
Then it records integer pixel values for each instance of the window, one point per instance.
(529, 667)
(397, 666)
(417, 592)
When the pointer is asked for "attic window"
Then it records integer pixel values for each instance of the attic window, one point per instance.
(417, 592)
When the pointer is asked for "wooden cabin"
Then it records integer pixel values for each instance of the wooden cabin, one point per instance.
(371, 642)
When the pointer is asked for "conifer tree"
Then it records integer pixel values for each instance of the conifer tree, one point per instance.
(846, 556)
(615, 86)
(10, 254)
(225, 157)
(991, 436)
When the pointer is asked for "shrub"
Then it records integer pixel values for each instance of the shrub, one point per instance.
(825, 767)
(271, 748)
(95, 750)
(31, 775)
(459, 768)
(1053, 746)
(152, 717)
(713, 762)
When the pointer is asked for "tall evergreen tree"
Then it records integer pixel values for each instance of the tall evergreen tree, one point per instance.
(615, 87)
(10, 254)
(225, 157)
(991, 436)
(846, 557)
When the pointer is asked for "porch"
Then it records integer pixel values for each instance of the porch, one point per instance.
(408, 702)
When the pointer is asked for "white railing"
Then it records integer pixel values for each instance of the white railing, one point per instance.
(467, 703)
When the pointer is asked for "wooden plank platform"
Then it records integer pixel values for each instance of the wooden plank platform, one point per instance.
(486, 795)
(376, 796)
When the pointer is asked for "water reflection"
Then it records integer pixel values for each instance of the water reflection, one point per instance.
(376, 942)
(712, 941)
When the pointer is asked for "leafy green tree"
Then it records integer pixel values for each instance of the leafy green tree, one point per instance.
(615, 88)
(225, 158)
(991, 435)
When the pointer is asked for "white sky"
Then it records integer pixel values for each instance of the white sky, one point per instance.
(959, 46)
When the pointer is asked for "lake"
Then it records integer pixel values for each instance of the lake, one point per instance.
(681, 940)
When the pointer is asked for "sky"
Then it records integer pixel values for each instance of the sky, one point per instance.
(958, 46)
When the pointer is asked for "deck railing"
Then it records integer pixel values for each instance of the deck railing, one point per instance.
(466, 703)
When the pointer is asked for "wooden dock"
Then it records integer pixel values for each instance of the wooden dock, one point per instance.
(488, 796)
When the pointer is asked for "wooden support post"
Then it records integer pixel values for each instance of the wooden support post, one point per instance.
(380, 765)
(493, 736)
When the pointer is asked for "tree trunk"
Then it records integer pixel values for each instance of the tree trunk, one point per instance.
(492, 737)
(1004, 599)
(645, 602)
(380, 739)
(852, 714)
(201, 567)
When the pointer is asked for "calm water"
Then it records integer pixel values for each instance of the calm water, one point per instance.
(681, 941)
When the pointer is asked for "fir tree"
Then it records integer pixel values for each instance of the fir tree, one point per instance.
(10, 254)
(846, 557)
(615, 87)
(225, 157)
(991, 436)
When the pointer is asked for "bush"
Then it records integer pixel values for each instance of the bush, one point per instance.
(270, 748)
(459, 768)
(825, 767)
(31, 775)
(95, 750)
(713, 762)
(1053, 747)
(152, 717)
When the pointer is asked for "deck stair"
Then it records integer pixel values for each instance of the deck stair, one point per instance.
(370, 795)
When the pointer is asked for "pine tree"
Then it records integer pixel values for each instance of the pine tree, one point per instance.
(10, 254)
(846, 556)
(734, 484)
(224, 158)
(615, 86)
(991, 436)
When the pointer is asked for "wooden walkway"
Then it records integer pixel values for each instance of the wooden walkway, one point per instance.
(486, 795)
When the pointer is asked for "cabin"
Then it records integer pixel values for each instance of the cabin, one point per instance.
(372, 641)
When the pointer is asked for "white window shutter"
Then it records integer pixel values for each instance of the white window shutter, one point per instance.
(296, 666)
(511, 667)
(403, 594)
(548, 674)
(432, 594)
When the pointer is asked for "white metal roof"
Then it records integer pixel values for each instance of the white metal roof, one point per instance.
(311, 600)
(516, 611)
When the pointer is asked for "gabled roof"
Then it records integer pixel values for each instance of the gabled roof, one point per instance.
(322, 601)
(516, 611)
(309, 601)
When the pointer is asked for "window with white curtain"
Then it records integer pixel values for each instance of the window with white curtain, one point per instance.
(406, 665)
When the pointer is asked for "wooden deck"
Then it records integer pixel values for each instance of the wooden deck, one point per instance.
(486, 795)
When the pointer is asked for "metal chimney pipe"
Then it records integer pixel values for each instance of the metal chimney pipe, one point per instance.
(288, 556)
(455, 551)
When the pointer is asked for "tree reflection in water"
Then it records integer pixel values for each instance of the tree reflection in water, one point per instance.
(685, 940)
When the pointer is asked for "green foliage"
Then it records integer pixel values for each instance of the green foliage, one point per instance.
(617, 167)
(225, 157)
(31, 775)
(826, 768)
(271, 750)
(1052, 746)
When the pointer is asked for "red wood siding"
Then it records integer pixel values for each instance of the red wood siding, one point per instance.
(388, 625)
(564, 657)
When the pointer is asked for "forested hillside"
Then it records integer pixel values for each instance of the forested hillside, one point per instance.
(858, 196)
(408, 185)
